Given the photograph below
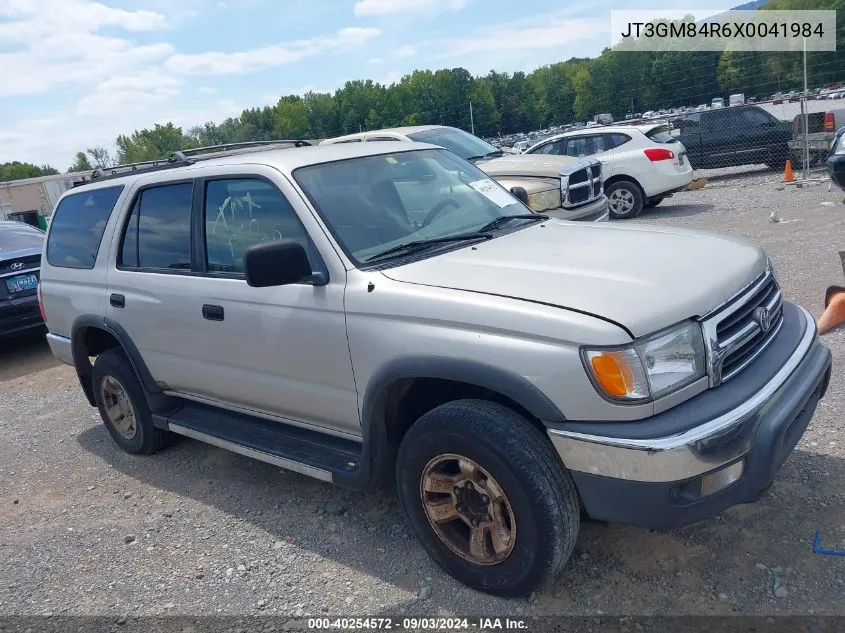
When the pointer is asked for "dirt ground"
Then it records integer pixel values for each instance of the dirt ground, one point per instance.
(86, 529)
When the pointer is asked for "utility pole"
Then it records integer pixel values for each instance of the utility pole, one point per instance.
(804, 108)
(471, 120)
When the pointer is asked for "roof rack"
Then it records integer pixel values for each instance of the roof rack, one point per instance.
(179, 158)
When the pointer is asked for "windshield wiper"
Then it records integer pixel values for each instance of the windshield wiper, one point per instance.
(500, 222)
(418, 245)
(494, 154)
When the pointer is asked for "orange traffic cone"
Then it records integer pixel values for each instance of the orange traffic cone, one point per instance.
(787, 172)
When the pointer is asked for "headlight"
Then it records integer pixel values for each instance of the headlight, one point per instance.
(544, 200)
(651, 367)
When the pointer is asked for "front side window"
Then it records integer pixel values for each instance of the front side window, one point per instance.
(553, 147)
(240, 212)
(585, 145)
(77, 227)
(374, 203)
(158, 235)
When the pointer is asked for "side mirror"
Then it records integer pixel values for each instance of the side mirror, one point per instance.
(276, 264)
(520, 194)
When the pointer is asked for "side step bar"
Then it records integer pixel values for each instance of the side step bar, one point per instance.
(301, 450)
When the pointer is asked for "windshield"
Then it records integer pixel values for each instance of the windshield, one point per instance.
(374, 203)
(461, 143)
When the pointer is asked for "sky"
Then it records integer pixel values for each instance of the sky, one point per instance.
(76, 73)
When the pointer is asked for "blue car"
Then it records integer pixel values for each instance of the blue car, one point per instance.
(20, 262)
(836, 159)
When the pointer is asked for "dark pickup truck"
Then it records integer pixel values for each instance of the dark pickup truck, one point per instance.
(738, 135)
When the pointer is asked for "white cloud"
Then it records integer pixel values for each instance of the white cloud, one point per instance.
(391, 78)
(369, 8)
(206, 90)
(375, 61)
(406, 50)
(220, 63)
(135, 92)
(55, 43)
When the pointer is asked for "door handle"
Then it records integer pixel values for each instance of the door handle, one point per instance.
(118, 301)
(212, 313)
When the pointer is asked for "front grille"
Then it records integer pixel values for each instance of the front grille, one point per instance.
(584, 185)
(740, 331)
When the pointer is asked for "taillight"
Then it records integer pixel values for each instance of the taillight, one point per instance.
(41, 305)
(829, 125)
(658, 153)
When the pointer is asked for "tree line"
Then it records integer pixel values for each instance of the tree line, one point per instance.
(502, 103)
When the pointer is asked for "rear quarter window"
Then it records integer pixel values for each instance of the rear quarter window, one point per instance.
(77, 227)
(661, 135)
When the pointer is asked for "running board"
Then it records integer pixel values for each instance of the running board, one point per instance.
(293, 448)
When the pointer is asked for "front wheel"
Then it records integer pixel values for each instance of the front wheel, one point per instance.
(488, 497)
(624, 199)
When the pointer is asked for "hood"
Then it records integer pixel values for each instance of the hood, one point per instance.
(544, 165)
(642, 278)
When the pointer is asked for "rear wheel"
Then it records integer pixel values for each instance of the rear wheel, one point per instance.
(488, 497)
(624, 199)
(123, 406)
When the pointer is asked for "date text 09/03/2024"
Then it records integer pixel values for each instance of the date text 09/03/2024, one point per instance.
(417, 624)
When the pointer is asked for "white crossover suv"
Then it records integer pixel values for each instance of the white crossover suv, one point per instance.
(642, 165)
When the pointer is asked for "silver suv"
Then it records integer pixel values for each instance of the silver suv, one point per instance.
(509, 370)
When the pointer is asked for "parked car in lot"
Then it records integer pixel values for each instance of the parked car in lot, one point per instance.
(742, 135)
(836, 159)
(20, 262)
(560, 186)
(822, 129)
(642, 165)
(510, 371)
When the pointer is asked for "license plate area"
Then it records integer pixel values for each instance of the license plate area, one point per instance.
(681, 160)
(21, 283)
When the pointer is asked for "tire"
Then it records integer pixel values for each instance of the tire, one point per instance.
(539, 496)
(112, 374)
(653, 202)
(625, 199)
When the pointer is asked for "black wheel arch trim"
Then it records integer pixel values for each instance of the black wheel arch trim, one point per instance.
(83, 369)
(377, 455)
(471, 372)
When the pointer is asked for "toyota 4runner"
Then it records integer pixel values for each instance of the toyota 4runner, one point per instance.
(512, 372)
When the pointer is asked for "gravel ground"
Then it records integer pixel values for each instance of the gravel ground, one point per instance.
(87, 529)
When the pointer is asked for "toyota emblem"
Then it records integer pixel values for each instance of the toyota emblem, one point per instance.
(763, 319)
(17, 266)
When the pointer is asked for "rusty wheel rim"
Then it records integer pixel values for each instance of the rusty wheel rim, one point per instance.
(119, 409)
(468, 509)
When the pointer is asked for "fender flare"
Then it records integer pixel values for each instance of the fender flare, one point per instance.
(497, 379)
(83, 366)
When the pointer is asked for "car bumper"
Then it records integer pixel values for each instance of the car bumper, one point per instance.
(61, 347)
(719, 462)
(19, 314)
(596, 211)
(666, 178)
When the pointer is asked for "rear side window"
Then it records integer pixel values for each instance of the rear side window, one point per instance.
(616, 139)
(661, 135)
(77, 227)
(158, 235)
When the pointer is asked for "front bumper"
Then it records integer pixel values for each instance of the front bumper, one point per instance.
(19, 314)
(671, 479)
(595, 211)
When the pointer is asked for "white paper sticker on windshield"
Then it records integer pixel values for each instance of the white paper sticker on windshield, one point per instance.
(493, 192)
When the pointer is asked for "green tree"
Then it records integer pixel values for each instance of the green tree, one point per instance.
(16, 170)
(291, 118)
(582, 84)
(81, 163)
(151, 144)
(100, 156)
